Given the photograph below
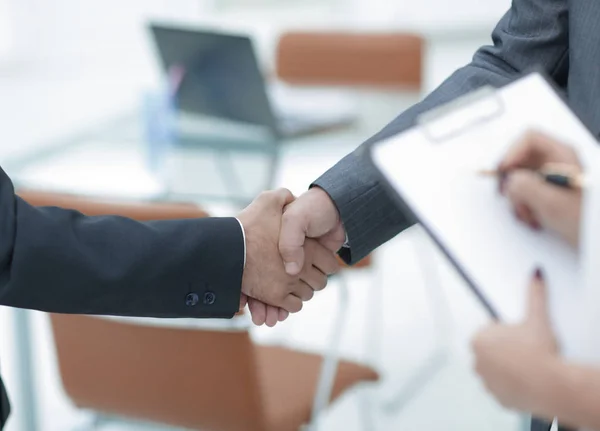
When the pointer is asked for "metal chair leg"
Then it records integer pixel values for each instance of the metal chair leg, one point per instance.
(330, 360)
(433, 364)
(26, 371)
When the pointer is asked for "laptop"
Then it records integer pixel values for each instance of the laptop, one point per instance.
(221, 78)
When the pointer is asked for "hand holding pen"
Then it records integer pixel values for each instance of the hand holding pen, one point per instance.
(542, 178)
(557, 174)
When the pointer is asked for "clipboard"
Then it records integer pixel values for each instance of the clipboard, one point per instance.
(431, 170)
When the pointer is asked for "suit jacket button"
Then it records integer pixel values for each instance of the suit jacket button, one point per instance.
(209, 298)
(191, 299)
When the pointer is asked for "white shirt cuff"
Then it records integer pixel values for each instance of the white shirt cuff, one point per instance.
(244, 237)
(346, 242)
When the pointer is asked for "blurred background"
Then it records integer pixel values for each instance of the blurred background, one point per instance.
(109, 101)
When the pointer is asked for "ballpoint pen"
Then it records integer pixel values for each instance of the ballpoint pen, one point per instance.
(561, 175)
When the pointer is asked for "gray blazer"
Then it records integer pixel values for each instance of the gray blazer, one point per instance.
(559, 36)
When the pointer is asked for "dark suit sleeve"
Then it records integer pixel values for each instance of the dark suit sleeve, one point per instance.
(4, 405)
(533, 33)
(59, 260)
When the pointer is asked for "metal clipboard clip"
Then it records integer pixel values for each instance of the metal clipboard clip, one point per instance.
(454, 118)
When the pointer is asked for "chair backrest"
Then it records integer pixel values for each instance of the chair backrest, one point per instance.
(199, 379)
(141, 211)
(351, 58)
(187, 378)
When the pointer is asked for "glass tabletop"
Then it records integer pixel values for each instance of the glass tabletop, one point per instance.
(206, 161)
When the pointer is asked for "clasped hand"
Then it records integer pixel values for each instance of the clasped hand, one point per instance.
(535, 202)
(270, 292)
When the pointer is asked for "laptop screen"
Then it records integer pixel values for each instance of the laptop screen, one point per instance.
(221, 77)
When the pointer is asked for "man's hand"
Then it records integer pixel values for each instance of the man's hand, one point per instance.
(265, 281)
(516, 362)
(312, 215)
(537, 203)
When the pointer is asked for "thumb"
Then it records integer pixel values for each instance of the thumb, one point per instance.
(538, 308)
(291, 239)
(282, 197)
(272, 200)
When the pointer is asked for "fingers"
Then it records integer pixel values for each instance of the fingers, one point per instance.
(545, 201)
(279, 198)
(258, 310)
(536, 149)
(292, 304)
(283, 314)
(243, 301)
(266, 314)
(294, 225)
(320, 262)
(304, 291)
(321, 257)
(524, 213)
(284, 197)
(314, 279)
(272, 316)
(538, 309)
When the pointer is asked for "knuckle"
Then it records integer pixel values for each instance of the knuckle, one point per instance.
(334, 265)
(283, 195)
(322, 282)
(288, 216)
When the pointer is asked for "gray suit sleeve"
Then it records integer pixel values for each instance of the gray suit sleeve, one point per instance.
(532, 34)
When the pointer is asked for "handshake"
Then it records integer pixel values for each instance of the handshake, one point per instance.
(291, 247)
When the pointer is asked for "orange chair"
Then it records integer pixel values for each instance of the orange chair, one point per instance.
(350, 58)
(198, 379)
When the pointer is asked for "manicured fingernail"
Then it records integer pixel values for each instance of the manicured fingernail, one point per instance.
(291, 267)
(539, 274)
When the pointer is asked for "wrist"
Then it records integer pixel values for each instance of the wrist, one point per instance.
(573, 382)
(551, 387)
(330, 208)
(326, 204)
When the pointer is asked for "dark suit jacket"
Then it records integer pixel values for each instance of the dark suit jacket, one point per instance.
(561, 37)
(61, 261)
